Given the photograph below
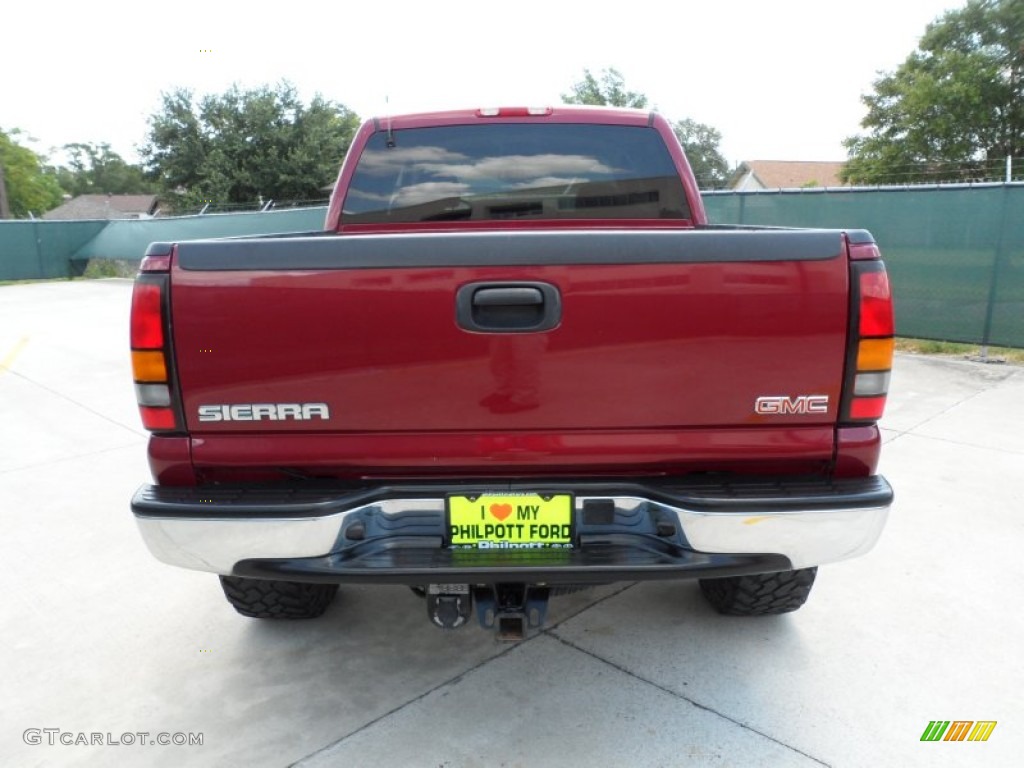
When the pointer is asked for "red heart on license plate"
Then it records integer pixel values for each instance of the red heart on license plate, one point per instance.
(501, 511)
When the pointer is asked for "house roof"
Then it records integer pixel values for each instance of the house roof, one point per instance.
(792, 174)
(105, 207)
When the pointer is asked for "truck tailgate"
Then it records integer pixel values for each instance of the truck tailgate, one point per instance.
(663, 343)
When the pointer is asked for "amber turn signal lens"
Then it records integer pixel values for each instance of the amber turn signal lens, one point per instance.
(149, 366)
(875, 354)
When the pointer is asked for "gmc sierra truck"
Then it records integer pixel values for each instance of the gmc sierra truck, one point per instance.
(516, 362)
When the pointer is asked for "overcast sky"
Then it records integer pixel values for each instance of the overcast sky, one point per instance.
(780, 80)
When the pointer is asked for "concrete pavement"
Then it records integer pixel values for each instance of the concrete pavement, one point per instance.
(102, 639)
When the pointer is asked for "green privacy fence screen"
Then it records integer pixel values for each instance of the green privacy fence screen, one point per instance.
(955, 254)
(32, 250)
(129, 239)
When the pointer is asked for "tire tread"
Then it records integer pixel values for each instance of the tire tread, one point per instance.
(259, 599)
(761, 594)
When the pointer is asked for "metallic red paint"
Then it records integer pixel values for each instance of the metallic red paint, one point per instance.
(786, 450)
(639, 347)
(642, 373)
(170, 460)
(857, 451)
(653, 370)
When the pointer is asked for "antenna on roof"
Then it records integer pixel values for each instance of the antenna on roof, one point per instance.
(391, 134)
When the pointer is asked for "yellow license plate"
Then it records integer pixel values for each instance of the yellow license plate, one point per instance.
(510, 521)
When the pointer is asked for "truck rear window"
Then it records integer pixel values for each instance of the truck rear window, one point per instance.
(515, 171)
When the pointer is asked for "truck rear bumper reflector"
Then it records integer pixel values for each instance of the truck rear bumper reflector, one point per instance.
(794, 526)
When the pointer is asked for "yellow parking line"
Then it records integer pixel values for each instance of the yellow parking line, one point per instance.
(8, 361)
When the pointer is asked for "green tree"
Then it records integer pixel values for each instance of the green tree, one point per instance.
(243, 145)
(30, 189)
(700, 142)
(610, 91)
(97, 169)
(954, 108)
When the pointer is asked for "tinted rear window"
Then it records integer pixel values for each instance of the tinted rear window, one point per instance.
(515, 171)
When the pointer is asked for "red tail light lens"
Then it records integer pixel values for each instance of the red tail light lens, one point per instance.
(867, 408)
(158, 419)
(147, 316)
(875, 305)
(158, 403)
(869, 360)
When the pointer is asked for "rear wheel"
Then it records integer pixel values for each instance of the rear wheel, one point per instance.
(261, 599)
(761, 594)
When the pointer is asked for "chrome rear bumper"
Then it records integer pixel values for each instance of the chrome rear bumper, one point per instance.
(397, 534)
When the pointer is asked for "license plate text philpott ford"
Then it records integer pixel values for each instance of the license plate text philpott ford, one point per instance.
(510, 521)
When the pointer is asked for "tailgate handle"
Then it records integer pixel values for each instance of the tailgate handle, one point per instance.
(507, 297)
(508, 307)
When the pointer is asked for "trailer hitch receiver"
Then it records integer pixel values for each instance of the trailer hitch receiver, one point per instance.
(511, 609)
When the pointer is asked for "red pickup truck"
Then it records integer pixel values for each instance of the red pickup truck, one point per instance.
(517, 361)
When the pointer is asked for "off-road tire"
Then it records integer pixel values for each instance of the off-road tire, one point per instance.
(261, 599)
(763, 594)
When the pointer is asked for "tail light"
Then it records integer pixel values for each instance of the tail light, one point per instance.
(871, 342)
(155, 391)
